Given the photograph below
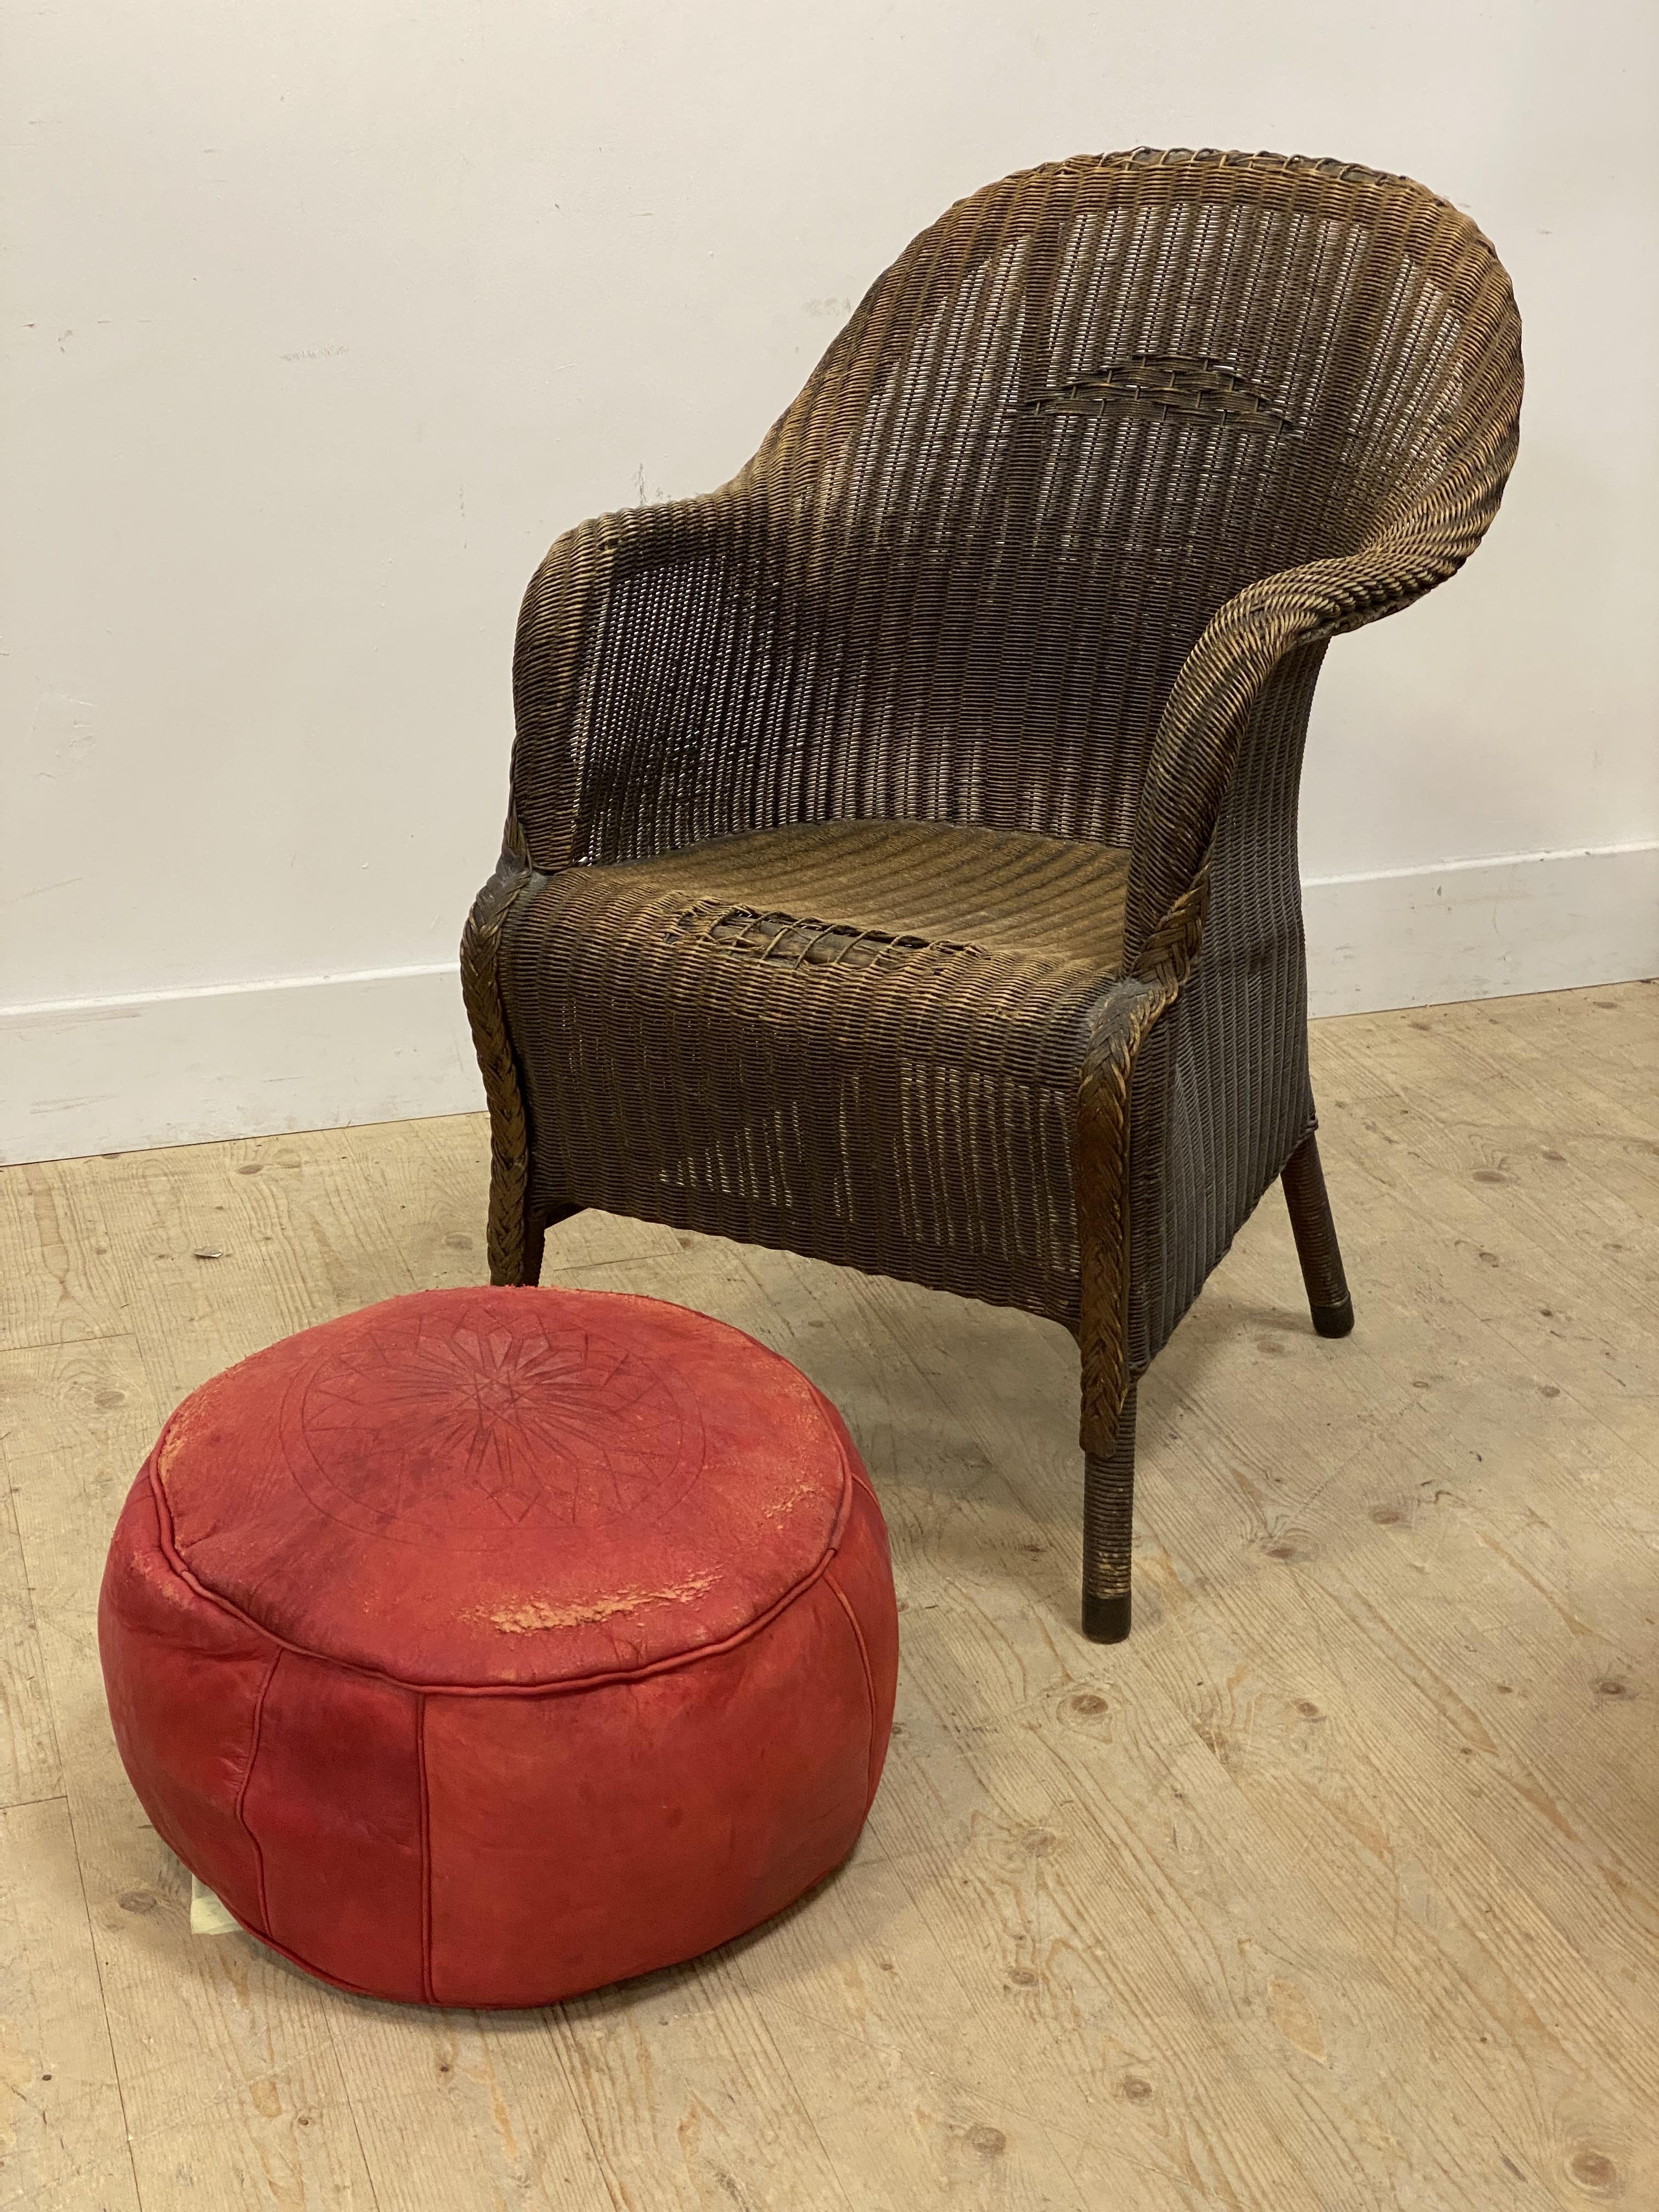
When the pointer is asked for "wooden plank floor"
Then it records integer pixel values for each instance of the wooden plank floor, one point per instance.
(1337, 1887)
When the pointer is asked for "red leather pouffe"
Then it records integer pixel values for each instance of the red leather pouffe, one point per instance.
(490, 1646)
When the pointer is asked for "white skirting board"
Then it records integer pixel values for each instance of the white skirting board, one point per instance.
(324, 1051)
(316, 1052)
(1481, 929)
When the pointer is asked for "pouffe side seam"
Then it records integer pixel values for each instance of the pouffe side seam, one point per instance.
(426, 1850)
(602, 1679)
(869, 1689)
(248, 1778)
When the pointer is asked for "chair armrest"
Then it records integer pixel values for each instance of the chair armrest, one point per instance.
(590, 675)
(1225, 676)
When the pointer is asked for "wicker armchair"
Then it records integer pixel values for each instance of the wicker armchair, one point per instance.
(901, 865)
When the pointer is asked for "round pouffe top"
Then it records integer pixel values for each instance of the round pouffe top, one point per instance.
(488, 1645)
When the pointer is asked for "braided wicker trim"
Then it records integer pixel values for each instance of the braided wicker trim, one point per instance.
(1122, 1021)
(509, 1132)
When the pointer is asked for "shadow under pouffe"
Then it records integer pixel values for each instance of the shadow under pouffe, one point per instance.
(490, 1646)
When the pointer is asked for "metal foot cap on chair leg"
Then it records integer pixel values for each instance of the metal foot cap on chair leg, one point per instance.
(1105, 1619)
(1333, 1320)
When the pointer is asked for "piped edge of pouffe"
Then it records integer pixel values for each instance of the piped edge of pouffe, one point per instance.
(178, 1451)
(850, 1476)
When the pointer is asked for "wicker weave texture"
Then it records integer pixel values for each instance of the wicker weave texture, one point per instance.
(901, 853)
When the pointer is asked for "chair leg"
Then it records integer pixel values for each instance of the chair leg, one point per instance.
(1315, 1240)
(525, 1266)
(1109, 1497)
(534, 1237)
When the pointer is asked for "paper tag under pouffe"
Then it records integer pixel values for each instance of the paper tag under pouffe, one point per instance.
(207, 1916)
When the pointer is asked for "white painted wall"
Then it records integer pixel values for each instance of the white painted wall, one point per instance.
(321, 321)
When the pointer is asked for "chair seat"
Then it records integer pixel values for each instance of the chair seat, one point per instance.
(991, 890)
(859, 1037)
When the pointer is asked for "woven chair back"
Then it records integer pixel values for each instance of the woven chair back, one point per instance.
(1080, 412)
